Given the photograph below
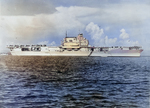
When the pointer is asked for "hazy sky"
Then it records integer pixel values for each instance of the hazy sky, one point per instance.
(103, 22)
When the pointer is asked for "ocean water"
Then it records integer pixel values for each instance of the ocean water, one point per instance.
(74, 82)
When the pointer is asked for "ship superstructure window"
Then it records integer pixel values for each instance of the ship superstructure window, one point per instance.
(70, 40)
(36, 49)
(25, 49)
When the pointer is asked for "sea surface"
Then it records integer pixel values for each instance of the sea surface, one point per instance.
(74, 82)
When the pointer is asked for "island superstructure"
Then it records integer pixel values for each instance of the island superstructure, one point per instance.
(74, 46)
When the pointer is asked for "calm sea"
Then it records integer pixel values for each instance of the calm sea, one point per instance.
(74, 82)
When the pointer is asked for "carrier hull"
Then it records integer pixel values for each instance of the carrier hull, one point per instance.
(52, 52)
(117, 53)
(81, 52)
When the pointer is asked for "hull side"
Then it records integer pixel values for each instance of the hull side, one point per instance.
(50, 53)
(117, 53)
(81, 52)
(29, 53)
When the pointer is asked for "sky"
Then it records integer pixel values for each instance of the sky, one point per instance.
(102, 22)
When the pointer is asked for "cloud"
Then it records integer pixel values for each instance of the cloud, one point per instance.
(128, 43)
(43, 43)
(123, 13)
(110, 41)
(30, 28)
(107, 28)
(69, 18)
(94, 31)
(123, 34)
(88, 3)
(35, 25)
(47, 43)
(52, 43)
(100, 39)
(26, 28)
(98, 35)
(125, 39)
(112, 17)
(26, 7)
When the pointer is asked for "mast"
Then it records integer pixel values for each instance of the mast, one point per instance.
(66, 33)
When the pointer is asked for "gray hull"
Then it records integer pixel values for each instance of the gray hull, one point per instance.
(117, 53)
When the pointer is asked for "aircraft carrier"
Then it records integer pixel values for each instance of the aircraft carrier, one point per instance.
(74, 46)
